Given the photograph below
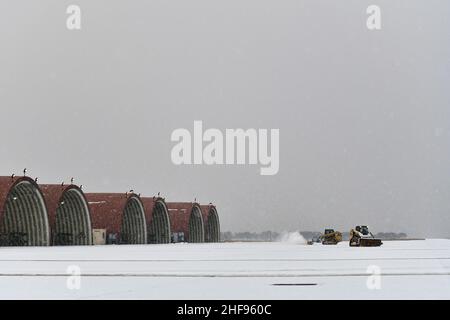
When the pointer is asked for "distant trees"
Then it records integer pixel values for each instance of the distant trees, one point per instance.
(249, 236)
(308, 235)
(391, 235)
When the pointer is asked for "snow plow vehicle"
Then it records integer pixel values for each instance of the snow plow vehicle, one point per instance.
(362, 237)
(331, 237)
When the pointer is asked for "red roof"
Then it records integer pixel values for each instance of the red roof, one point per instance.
(179, 213)
(107, 209)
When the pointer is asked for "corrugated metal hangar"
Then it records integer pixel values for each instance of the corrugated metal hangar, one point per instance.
(33, 214)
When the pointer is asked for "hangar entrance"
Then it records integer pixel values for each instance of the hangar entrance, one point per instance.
(134, 230)
(25, 221)
(73, 224)
(159, 229)
(196, 225)
(212, 226)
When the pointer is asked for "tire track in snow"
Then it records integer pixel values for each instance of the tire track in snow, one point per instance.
(223, 275)
(218, 260)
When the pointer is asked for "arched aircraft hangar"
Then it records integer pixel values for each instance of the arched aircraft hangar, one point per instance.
(158, 221)
(56, 214)
(186, 218)
(122, 215)
(68, 214)
(23, 215)
(211, 223)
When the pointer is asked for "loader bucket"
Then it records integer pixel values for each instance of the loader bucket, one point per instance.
(370, 243)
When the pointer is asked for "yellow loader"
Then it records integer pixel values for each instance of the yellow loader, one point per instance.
(362, 237)
(331, 237)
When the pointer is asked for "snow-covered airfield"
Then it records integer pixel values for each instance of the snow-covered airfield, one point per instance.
(277, 270)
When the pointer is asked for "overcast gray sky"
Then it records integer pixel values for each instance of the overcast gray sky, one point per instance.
(364, 116)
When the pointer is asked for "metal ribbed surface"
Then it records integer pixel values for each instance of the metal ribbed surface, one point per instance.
(68, 215)
(158, 222)
(121, 215)
(23, 217)
(186, 218)
(212, 223)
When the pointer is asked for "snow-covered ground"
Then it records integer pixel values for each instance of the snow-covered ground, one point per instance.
(409, 270)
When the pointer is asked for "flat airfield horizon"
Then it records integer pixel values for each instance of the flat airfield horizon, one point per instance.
(415, 269)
